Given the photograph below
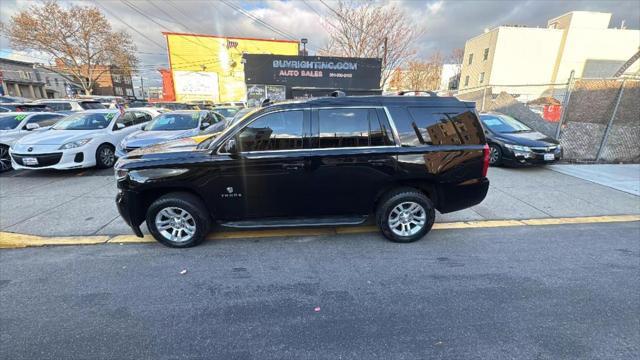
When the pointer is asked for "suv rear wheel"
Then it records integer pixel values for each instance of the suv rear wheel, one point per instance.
(405, 215)
(178, 220)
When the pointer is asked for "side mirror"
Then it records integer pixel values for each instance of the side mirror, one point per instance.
(204, 125)
(119, 126)
(231, 147)
(32, 126)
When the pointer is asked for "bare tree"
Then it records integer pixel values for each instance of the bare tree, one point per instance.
(370, 29)
(79, 39)
(418, 75)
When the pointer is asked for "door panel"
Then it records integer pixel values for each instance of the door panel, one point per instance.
(269, 176)
(355, 158)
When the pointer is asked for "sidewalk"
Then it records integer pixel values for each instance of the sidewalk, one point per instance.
(76, 204)
(621, 177)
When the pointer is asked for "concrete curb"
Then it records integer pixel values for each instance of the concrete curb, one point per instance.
(10, 240)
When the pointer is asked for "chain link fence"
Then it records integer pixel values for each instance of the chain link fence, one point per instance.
(596, 120)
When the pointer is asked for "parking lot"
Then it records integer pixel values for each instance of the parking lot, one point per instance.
(81, 202)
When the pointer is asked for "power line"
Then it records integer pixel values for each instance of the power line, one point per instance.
(129, 26)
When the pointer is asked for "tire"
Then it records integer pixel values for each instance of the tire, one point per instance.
(171, 208)
(5, 159)
(495, 155)
(404, 198)
(105, 156)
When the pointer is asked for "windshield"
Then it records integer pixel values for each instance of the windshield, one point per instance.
(85, 121)
(227, 112)
(503, 124)
(174, 121)
(241, 115)
(10, 122)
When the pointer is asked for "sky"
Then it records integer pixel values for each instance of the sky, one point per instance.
(447, 24)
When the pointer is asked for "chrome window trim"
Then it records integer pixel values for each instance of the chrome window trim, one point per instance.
(322, 149)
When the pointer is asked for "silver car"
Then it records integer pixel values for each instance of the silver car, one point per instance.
(15, 125)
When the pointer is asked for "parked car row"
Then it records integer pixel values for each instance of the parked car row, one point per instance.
(95, 137)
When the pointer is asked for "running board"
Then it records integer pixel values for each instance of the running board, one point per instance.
(296, 222)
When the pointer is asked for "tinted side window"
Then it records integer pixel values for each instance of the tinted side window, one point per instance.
(436, 126)
(343, 127)
(128, 119)
(277, 131)
(142, 117)
(380, 132)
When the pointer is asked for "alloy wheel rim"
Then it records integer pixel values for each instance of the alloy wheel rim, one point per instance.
(107, 156)
(493, 155)
(5, 160)
(407, 218)
(175, 224)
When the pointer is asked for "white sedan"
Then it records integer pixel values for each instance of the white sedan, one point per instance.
(84, 139)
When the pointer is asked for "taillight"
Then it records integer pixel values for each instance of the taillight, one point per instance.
(485, 160)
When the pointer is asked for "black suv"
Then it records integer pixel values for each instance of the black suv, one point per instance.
(328, 161)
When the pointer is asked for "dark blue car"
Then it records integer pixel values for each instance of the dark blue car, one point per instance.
(170, 126)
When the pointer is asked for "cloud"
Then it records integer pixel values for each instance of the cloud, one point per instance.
(448, 23)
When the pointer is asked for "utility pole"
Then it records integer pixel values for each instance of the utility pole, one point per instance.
(142, 87)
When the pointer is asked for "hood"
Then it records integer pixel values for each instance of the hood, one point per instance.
(178, 145)
(147, 138)
(57, 137)
(532, 138)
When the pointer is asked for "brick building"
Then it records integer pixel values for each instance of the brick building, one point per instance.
(111, 82)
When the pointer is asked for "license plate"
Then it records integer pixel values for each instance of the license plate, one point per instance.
(549, 157)
(30, 161)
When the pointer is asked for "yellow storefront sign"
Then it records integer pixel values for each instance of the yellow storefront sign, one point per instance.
(206, 67)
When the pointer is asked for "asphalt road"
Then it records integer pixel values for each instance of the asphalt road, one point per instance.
(548, 292)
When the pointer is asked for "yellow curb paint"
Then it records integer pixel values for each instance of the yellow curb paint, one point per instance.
(131, 239)
(13, 240)
(582, 220)
(356, 229)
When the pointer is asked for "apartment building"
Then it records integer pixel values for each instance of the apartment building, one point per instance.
(510, 57)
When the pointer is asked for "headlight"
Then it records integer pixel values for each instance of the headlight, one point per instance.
(74, 144)
(517, 147)
(121, 173)
(144, 175)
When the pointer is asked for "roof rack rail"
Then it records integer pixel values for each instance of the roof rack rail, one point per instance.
(338, 93)
(405, 92)
(266, 102)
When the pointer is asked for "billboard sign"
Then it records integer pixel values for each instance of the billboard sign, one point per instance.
(194, 85)
(221, 56)
(313, 71)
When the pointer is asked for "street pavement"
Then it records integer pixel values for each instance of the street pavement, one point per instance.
(81, 202)
(547, 292)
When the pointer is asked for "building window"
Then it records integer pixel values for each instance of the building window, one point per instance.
(117, 90)
(116, 78)
(46, 80)
(129, 92)
(470, 58)
(127, 80)
(481, 78)
(56, 81)
(466, 80)
(486, 54)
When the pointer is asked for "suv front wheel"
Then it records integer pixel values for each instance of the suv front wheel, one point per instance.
(405, 215)
(178, 220)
